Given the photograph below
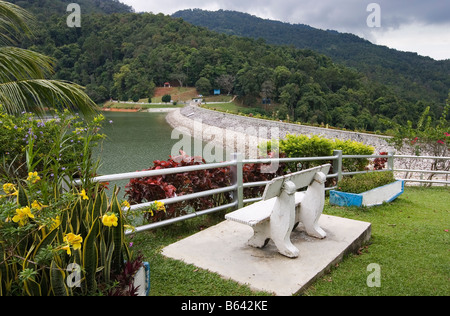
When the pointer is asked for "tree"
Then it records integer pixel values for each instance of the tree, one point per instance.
(179, 76)
(226, 82)
(23, 83)
(289, 96)
(203, 86)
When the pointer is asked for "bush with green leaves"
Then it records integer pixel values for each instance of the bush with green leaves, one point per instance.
(166, 98)
(318, 146)
(365, 182)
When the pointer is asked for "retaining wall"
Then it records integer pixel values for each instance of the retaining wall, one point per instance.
(260, 129)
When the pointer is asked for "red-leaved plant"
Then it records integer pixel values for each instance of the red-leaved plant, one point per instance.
(380, 163)
(157, 188)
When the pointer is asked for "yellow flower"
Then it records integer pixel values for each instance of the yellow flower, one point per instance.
(9, 188)
(33, 177)
(72, 240)
(56, 222)
(125, 204)
(22, 215)
(110, 220)
(67, 249)
(83, 195)
(160, 206)
(38, 206)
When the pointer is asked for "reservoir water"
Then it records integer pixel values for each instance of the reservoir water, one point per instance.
(134, 141)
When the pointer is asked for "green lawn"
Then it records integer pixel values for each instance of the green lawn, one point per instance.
(230, 107)
(410, 243)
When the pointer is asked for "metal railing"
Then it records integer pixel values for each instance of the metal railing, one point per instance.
(236, 164)
(433, 172)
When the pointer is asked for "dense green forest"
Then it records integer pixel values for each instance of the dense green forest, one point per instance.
(43, 8)
(409, 75)
(125, 55)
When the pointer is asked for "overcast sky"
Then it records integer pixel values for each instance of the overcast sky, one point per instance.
(421, 26)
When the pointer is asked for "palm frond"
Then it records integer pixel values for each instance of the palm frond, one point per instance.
(20, 64)
(38, 95)
(14, 23)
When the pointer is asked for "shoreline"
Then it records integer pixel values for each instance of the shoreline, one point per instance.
(152, 110)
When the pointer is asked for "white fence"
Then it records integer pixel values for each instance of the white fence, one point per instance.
(236, 189)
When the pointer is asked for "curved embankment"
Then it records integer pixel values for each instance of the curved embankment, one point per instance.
(227, 133)
(243, 134)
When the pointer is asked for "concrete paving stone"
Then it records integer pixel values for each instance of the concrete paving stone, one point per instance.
(223, 249)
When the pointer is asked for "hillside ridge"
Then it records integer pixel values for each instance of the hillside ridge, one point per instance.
(412, 75)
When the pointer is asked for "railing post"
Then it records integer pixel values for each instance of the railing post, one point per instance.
(391, 160)
(238, 179)
(337, 165)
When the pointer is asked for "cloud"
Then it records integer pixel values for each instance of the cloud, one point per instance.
(409, 24)
(324, 13)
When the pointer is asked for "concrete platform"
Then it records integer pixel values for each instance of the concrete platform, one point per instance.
(223, 249)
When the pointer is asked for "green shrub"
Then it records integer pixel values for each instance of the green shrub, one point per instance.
(364, 182)
(166, 98)
(350, 147)
(318, 146)
(304, 146)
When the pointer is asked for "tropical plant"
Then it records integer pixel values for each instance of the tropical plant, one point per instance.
(71, 244)
(23, 73)
(426, 138)
(57, 238)
(60, 146)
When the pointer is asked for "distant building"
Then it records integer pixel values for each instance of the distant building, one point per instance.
(167, 85)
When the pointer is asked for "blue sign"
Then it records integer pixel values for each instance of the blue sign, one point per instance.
(216, 91)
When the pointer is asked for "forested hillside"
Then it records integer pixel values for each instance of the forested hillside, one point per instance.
(126, 55)
(411, 76)
(44, 8)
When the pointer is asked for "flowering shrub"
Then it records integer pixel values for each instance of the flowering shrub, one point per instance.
(40, 239)
(426, 138)
(55, 238)
(57, 146)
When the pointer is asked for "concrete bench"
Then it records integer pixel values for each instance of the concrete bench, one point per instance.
(282, 208)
